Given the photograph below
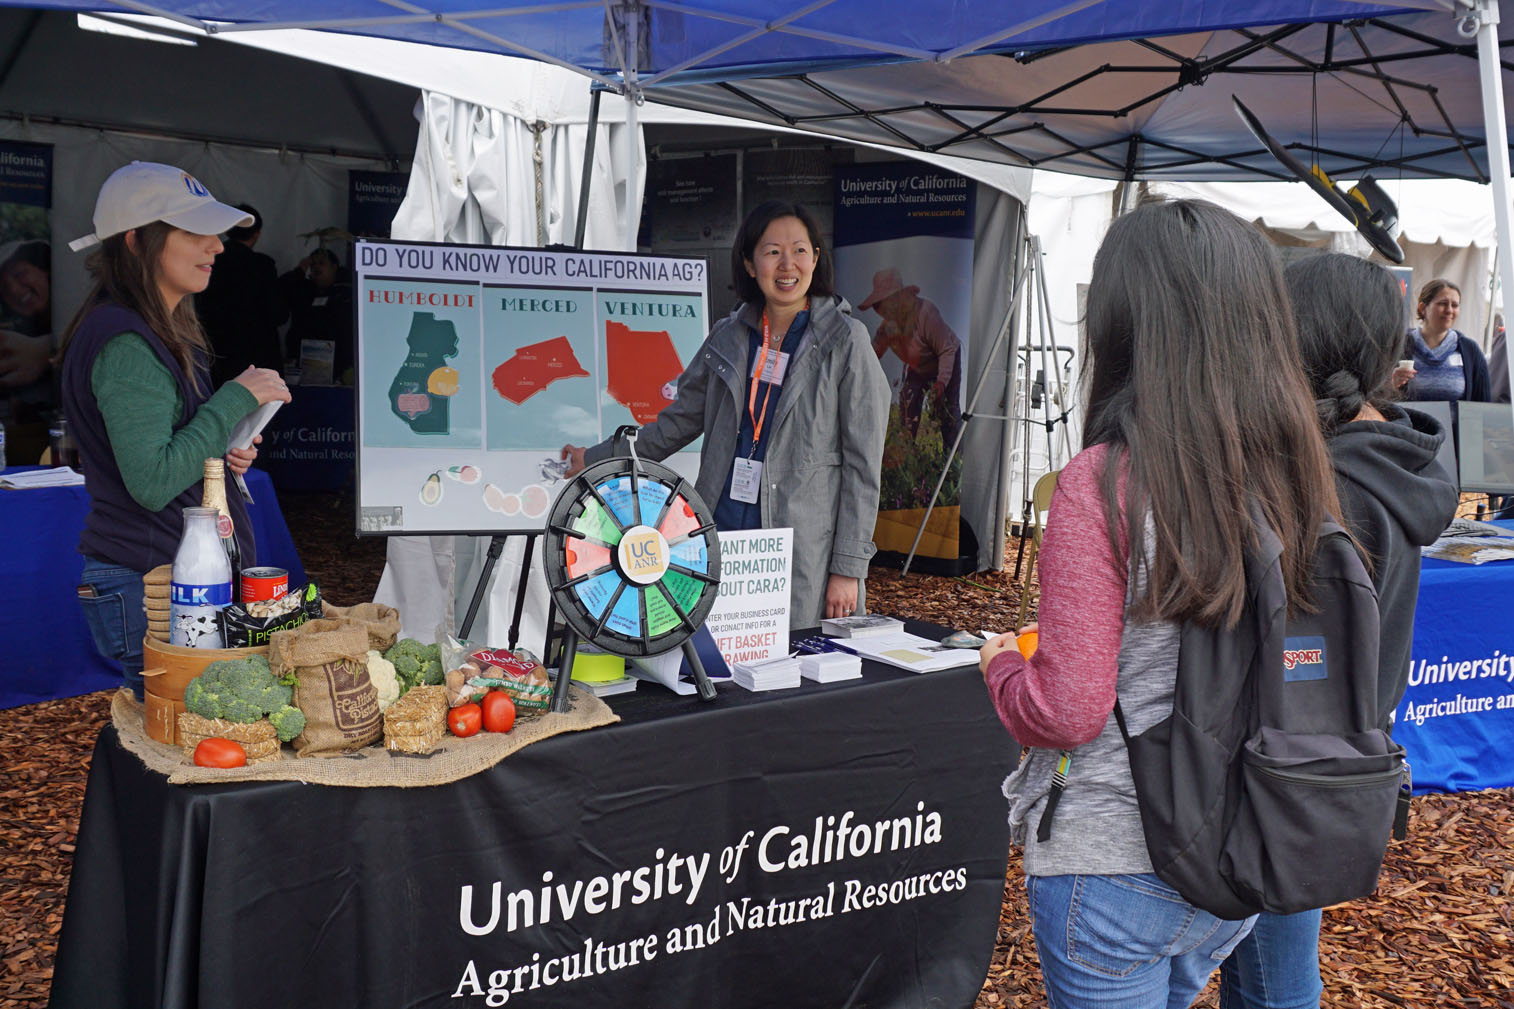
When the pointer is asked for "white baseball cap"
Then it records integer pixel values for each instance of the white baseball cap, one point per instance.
(143, 192)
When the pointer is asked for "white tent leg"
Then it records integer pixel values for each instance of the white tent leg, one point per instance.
(1491, 75)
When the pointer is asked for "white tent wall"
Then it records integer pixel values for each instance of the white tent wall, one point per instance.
(296, 192)
(485, 176)
(482, 176)
(1446, 231)
(1068, 214)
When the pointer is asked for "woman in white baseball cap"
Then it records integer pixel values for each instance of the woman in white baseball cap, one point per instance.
(136, 390)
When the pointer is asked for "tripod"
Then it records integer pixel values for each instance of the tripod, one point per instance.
(1030, 277)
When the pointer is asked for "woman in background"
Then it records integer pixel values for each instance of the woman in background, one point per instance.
(1447, 365)
(798, 440)
(1197, 406)
(136, 389)
(1396, 499)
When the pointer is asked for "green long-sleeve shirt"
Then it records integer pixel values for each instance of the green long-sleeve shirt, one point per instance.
(140, 403)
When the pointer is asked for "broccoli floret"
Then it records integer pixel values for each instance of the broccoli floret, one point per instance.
(272, 696)
(202, 700)
(238, 690)
(240, 709)
(288, 721)
(415, 664)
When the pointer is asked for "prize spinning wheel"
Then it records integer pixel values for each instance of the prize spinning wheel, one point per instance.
(632, 561)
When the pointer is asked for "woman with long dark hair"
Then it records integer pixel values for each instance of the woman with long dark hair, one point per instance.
(793, 406)
(136, 390)
(1197, 406)
(1396, 498)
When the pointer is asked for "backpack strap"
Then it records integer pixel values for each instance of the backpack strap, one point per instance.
(1059, 780)
(1058, 786)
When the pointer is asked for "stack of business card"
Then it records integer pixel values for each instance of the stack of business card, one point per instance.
(769, 674)
(828, 667)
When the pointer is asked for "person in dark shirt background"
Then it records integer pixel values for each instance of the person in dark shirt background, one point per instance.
(319, 295)
(243, 308)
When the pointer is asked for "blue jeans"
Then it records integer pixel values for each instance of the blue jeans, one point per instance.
(1276, 966)
(1124, 942)
(115, 616)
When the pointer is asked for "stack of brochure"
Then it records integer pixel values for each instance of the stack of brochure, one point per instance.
(829, 667)
(58, 476)
(912, 652)
(605, 688)
(862, 626)
(769, 674)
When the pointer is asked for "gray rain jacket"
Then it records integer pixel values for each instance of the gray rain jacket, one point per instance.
(822, 471)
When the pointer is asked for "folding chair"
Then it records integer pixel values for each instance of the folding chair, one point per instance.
(1040, 504)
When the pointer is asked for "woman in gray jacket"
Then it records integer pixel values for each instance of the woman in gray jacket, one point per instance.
(793, 405)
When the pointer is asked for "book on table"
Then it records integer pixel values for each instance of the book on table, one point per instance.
(861, 626)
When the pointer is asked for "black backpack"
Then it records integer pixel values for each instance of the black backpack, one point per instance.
(1270, 787)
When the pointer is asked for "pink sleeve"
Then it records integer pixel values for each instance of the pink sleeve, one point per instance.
(1062, 697)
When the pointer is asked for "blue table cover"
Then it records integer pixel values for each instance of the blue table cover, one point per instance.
(48, 652)
(1456, 719)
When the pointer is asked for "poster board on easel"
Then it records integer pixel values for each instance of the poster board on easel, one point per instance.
(476, 364)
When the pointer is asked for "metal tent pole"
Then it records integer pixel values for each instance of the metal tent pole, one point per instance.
(1491, 76)
(587, 176)
(629, 68)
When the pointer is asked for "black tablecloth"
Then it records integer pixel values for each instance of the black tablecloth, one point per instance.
(288, 895)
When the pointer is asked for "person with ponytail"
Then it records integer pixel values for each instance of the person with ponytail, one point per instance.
(1395, 498)
(136, 391)
(1197, 407)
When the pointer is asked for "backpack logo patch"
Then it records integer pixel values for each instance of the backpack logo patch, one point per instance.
(1304, 659)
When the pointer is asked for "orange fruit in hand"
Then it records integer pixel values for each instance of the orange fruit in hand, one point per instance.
(1027, 643)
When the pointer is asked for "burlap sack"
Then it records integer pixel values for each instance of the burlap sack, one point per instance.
(331, 688)
(381, 622)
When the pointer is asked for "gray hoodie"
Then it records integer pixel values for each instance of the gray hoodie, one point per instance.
(1397, 498)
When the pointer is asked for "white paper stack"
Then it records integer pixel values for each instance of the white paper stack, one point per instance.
(58, 476)
(770, 674)
(829, 667)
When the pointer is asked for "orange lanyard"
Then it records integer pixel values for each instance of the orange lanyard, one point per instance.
(751, 403)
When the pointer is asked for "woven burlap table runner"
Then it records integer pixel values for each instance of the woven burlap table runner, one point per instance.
(372, 766)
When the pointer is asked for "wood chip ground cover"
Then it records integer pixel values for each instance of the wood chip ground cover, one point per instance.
(1439, 931)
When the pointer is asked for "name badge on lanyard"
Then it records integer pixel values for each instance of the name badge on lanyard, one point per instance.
(774, 364)
(746, 480)
(769, 366)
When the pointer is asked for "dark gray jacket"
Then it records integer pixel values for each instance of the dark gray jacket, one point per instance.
(1397, 498)
(822, 472)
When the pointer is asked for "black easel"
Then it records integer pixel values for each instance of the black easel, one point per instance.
(496, 547)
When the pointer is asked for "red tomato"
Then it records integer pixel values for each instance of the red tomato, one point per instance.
(218, 752)
(499, 711)
(465, 719)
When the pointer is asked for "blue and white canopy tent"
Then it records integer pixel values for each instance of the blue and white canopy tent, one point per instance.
(1115, 88)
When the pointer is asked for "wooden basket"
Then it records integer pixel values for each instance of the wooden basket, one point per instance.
(168, 670)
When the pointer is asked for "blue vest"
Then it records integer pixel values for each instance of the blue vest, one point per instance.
(118, 529)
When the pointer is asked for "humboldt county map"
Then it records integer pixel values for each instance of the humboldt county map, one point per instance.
(421, 391)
